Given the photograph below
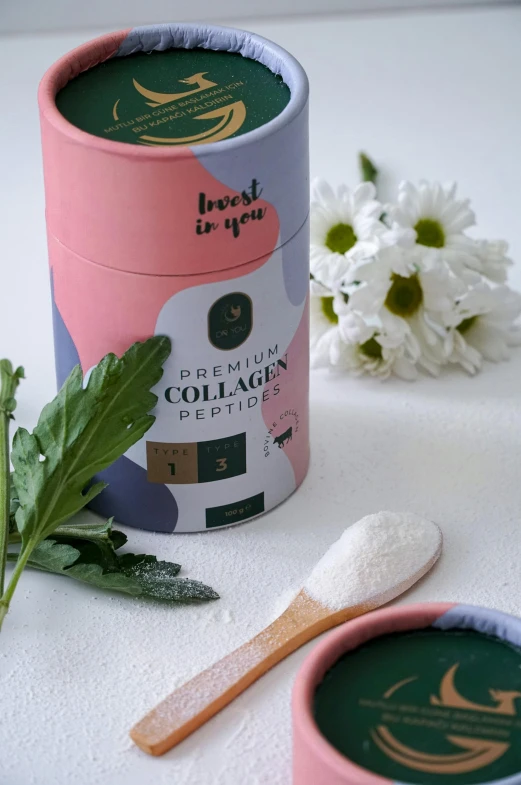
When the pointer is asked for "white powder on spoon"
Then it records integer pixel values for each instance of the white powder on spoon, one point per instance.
(373, 556)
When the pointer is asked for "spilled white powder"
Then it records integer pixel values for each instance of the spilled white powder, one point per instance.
(372, 556)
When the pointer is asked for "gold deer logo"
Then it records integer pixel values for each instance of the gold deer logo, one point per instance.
(477, 752)
(451, 698)
(229, 117)
(157, 99)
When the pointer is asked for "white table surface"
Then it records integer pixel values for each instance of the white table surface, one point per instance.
(432, 95)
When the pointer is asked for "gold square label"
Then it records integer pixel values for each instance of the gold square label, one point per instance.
(172, 464)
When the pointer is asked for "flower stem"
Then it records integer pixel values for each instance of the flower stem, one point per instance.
(23, 558)
(4, 494)
(8, 383)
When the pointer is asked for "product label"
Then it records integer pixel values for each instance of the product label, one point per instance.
(230, 438)
(175, 97)
(427, 707)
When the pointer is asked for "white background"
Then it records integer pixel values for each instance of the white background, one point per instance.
(429, 94)
(39, 15)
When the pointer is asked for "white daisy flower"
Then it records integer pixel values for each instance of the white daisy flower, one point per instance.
(378, 354)
(462, 353)
(409, 292)
(483, 326)
(401, 283)
(324, 331)
(492, 260)
(353, 327)
(439, 220)
(343, 226)
(394, 293)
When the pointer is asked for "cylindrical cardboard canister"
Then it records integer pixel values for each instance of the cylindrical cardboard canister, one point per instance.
(178, 205)
(425, 694)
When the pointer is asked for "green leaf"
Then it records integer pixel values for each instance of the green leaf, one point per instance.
(135, 574)
(118, 539)
(101, 534)
(94, 531)
(182, 590)
(63, 560)
(96, 542)
(114, 581)
(53, 556)
(80, 433)
(147, 569)
(10, 404)
(368, 170)
(92, 552)
(157, 579)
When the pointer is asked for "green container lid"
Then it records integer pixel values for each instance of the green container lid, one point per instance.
(429, 706)
(177, 97)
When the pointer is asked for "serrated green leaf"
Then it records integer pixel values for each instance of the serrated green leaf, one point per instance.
(101, 533)
(92, 552)
(118, 539)
(92, 530)
(80, 433)
(97, 542)
(63, 559)
(135, 574)
(179, 590)
(53, 556)
(141, 564)
(158, 579)
(115, 581)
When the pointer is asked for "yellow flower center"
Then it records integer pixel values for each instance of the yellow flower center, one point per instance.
(340, 238)
(430, 232)
(466, 324)
(326, 303)
(405, 296)
(372, 348)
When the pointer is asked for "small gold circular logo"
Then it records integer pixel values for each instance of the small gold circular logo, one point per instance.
(230, 321)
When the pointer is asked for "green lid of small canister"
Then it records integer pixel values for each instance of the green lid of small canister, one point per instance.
(174, 97)
(427, 706)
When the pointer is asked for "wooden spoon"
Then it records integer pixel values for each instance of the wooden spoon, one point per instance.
(197, 701)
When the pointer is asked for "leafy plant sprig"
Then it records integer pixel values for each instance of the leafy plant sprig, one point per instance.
(87, 553)
(80, 433)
